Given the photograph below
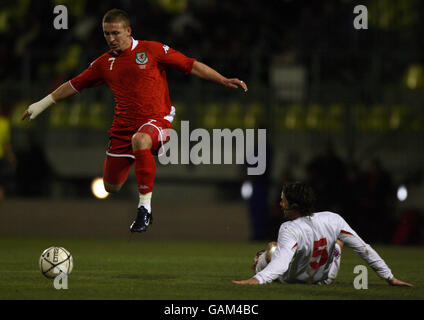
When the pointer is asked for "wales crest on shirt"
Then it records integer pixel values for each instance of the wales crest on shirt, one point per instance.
(141, 57)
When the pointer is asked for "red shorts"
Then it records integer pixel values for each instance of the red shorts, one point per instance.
(119, 154)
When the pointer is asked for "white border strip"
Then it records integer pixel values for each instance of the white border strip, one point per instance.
(70, 83)
(120, 155)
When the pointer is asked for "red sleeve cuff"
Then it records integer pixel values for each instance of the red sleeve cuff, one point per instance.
(190, 65)
(73, 86)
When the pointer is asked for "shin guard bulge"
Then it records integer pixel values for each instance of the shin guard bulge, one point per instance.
(145, 169)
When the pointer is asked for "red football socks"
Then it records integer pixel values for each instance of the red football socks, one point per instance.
(145, 169)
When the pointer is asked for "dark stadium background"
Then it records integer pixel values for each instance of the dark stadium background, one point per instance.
(315, 83)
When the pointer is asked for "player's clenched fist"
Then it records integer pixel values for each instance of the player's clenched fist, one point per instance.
(36, 108)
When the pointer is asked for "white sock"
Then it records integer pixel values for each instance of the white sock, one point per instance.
(145, 201)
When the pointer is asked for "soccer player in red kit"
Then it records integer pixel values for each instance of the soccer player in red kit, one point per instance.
(135, 71)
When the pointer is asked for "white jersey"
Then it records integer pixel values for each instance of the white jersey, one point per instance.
(306, 250)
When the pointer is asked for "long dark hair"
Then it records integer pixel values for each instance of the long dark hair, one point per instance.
(300, 196)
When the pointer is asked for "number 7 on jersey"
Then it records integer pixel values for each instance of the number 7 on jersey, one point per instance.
(111, 64)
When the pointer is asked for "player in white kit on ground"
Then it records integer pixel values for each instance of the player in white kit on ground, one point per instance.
(309, 245)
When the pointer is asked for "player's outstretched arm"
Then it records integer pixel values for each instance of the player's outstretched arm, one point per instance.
(397, 282)
(205, 72)
(368, 254)
(248, 281)
(64, 91)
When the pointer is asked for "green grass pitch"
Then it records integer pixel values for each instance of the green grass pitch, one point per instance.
(185, 270)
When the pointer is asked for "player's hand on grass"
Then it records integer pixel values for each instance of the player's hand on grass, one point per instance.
(235, 83)
(397, 282)
(248, 281)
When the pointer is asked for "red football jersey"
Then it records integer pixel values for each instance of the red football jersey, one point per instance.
(137, 78)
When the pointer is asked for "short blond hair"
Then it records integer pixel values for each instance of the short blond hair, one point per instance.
(116, 15)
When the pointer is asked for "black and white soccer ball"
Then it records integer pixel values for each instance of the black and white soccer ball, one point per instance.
(55, 261)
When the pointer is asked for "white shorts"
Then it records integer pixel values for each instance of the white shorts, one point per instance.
(335, 266)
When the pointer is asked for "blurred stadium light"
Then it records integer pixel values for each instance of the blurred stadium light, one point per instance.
(402, 193)
(98, 189)
(246, 190)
